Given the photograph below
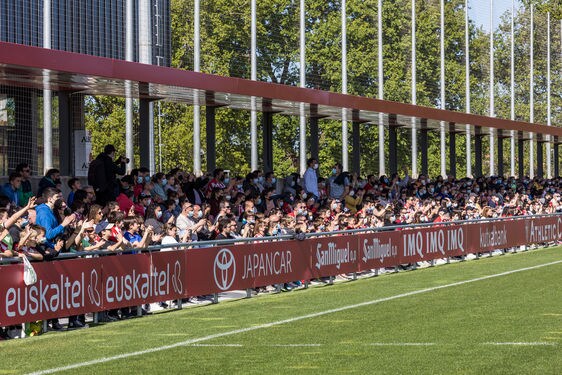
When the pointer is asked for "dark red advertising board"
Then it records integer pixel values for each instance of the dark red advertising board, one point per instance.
(72, 287)
(219, 269)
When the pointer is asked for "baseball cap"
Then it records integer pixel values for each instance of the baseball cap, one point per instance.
(103, 226)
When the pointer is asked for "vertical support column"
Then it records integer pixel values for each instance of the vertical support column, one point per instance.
(65, 133)
(540, 156)
(313, 137)
(477, 151)
(452, 150)
(47, 110)
(267, 130)
(196, 107)
(500, 152)
(392, 144)
(210, 117)
(556, 158)
(356, 135)
(356, 148)
(129, 55)
(521, 155)
(253, 77)
(423, 146)
(144, 132)
(302, 74)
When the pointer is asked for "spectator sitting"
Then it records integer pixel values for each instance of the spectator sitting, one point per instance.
(74, 184)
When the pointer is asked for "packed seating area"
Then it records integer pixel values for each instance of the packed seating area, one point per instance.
(123, 212)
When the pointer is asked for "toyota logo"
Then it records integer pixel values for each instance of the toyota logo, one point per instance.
(224, 269)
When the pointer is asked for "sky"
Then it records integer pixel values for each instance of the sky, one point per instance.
(479, 11)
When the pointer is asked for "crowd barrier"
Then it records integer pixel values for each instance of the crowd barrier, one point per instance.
(93, 284)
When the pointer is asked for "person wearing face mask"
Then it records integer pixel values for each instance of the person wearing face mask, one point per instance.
(159, 181)
(145, 199)
(310, 178)
(270, 181)
(338, 182)
(102, 174)
(190, 220)
(153, 218)
(353, 200)
(50, 180)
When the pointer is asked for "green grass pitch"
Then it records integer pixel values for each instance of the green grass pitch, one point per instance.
(509, 324)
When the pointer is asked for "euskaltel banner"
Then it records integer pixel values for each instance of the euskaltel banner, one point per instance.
(136, 279)
(63, 288)
(236, 267)
(333, 255)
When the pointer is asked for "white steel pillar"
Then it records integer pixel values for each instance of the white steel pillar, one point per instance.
(47, 110)
(253, 77)
(548, 92)
(344, 130)
(196, 107)
(414, 94)
(467, 90)
(532, 96)
(442, 86)
(382, 168)
(129, 147)
(492, 105)
(302, 127)
(145, 57)
(512, 90)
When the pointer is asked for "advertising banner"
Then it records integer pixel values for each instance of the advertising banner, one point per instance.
(378, 250)
(333, 255)
(78, 286)
(219, 269)
(64, 288)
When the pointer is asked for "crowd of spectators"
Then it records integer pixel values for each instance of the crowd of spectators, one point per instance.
(118, 211)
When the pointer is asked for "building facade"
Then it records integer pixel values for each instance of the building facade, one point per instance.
(93, 27)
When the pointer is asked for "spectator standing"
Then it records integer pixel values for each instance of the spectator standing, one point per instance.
(311, 178)
(103, 172)
(50, 180)
(10, 188)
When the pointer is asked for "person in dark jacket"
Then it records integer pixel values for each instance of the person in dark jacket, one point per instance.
(102, 174)
(50, 180)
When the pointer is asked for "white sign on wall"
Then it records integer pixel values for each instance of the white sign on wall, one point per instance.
(82, 152)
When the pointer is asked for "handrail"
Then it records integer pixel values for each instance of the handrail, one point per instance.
(301, 236)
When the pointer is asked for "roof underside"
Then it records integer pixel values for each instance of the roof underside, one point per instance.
(32, 67)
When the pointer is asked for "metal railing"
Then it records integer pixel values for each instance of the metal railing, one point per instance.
(286, 237)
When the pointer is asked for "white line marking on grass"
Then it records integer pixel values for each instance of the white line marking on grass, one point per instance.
(295, 345)
(218, 345)
(538, 343)
(280, 322)
(402, 344)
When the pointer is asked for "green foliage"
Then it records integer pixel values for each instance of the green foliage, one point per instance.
(225, 50)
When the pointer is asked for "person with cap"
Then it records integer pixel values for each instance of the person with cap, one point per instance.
(102, 174)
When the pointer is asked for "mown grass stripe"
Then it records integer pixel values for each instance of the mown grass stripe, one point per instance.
(284, 321)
